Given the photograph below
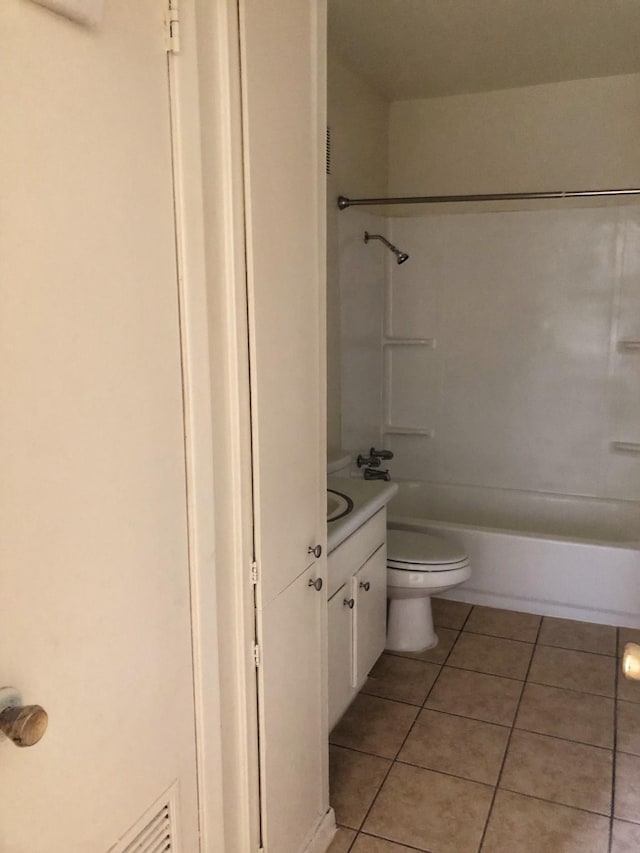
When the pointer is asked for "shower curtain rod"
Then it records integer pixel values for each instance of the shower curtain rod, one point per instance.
(344, 202)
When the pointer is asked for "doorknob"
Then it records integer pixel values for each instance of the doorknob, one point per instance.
(316, 551)
(23, 724)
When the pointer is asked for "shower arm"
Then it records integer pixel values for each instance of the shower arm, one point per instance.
(384, 240)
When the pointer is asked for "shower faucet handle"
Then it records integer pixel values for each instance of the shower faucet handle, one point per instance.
(371, 461)
(381, 454)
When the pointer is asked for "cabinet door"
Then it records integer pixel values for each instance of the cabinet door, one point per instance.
(340, 619)
(370, 614)
(293, 737)
(282, 52)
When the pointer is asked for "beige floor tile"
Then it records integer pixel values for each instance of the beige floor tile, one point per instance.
(472, 694)
(373, 725)
(582, 671)
(342, 840)
(354, 780)
(430, 811)
(457, 745)
(627, 635)
(627, 794)
(509, 624)
(507, 658)
(370, 844)
(568, 714)
(521, 824)
(580, 636)
(628, 728)
(628, 691)
(626, 837)
(572, 774)
(401, 679)
(449, 614)
(446, 639)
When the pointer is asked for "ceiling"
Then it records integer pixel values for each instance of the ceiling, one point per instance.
(429, 48)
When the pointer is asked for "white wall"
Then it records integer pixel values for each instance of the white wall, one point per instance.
(526, 387)
(358, 119)
(581, 134)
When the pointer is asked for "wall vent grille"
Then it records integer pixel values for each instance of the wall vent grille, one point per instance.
(328, 152)
(155, 837)
(154, 832)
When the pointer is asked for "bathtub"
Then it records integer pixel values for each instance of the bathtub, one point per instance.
(557, 555)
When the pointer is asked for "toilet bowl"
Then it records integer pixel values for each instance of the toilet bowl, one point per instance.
(419, 565)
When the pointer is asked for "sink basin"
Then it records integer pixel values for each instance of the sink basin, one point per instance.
(338, 505)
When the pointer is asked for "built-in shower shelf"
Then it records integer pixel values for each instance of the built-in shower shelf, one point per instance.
(629, 346)
(626, 446)
(430, 343)
(399, 430)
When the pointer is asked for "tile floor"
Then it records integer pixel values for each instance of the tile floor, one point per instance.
(515, 735)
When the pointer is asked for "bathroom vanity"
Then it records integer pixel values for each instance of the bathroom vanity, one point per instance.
(356, 586)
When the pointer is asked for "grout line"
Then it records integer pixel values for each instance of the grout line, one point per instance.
(506, 751)
(615, 746)
(572, 689)
(555, 802)
(582, 651)
(498, 637)
(382, 838)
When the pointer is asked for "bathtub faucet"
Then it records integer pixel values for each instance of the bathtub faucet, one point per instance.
(374, 474)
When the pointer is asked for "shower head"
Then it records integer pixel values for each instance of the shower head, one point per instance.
(401, 257)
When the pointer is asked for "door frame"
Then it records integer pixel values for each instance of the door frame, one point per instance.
(209, 190)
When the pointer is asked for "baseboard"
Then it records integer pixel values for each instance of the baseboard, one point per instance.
(324, 833)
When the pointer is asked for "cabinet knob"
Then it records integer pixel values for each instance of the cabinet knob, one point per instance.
(316, 584)
(349, 602)
(23, 724)
(316, 551)
(365, 585)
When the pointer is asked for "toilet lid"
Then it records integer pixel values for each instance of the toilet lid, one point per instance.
(407, 546)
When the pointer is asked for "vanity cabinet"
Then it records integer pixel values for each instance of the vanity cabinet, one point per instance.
(357, 572)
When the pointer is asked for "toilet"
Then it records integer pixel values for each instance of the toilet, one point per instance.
(419, 565)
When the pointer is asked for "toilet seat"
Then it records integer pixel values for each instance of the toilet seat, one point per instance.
(412, 551)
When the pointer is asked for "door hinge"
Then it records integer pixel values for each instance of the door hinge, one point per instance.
(256, 655)
(172, 27)
(254, 573)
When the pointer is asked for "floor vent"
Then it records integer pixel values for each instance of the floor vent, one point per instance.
(154, 832)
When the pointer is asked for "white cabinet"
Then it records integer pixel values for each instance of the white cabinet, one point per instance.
(357, 611)
(369, 590)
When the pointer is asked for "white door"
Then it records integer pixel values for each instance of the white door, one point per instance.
(94, 582)
(293, 736)
(283, 91)
(283, 102)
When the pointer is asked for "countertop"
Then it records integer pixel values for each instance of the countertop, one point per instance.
(368, 497)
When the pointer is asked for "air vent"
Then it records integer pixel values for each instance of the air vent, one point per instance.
(328, 151)
(154, 832)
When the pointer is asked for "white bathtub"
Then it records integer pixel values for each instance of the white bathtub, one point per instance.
(557, 555)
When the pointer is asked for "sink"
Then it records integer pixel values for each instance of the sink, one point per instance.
(338, 505)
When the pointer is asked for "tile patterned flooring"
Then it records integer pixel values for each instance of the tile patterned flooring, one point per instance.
(515, 735)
